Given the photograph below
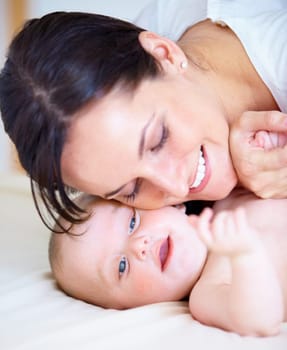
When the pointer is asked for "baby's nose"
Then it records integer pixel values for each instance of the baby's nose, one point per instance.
(140, 246)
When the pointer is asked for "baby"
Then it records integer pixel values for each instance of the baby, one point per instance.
(230, 261)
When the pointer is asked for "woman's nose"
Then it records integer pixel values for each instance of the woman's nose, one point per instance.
(173, 186)
(140, 246)
(171, 178)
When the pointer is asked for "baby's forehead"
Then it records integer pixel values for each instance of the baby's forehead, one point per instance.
(91, 203)
(98, 210)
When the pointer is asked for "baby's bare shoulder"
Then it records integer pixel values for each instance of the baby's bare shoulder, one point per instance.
(253, 204)
(237, 198)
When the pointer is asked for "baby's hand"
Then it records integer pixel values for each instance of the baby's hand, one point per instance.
(227, 233)
(260, 158)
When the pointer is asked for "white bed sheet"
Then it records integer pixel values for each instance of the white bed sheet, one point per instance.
(35, 315)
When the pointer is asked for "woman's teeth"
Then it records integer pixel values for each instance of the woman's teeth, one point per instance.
(200, 171)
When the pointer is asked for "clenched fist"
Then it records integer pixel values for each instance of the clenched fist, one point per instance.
(258, 146)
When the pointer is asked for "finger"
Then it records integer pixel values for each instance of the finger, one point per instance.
(270, 184)
(203, 226)
(262, 120)
(240, 219)
(219, 225)
(263, 160)
(231, 226)
(206, 214)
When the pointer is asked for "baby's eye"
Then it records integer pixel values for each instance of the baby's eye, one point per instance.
(123, 265)
(134, 221)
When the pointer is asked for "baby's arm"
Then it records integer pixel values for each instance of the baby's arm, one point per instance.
(250, 302)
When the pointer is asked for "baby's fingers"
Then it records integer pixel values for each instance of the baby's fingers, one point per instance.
(225, 232)
(203, 226)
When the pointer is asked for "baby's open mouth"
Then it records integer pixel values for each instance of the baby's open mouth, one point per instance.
(164, 253)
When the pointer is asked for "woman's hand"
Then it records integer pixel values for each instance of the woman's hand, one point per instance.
(261, 166)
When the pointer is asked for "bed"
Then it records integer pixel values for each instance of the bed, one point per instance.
(35, 314)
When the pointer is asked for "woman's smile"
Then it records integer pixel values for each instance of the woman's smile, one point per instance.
(202, 174)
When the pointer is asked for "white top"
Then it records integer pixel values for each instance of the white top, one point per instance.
(261, 26)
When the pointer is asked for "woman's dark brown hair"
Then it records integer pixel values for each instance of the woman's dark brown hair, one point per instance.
(55, 66)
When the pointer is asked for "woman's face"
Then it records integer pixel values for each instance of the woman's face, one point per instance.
(164, 144)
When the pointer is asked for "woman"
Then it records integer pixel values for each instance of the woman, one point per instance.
(102, 106)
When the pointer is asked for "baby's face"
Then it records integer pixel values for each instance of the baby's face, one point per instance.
(129, 257)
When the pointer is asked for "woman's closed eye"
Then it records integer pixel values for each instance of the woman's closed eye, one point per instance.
(131, 197)
(164, 135)
(162, 140)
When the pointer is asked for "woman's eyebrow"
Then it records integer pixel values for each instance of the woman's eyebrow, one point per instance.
(111, 194)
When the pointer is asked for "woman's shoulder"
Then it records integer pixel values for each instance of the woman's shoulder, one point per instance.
(261, 27)
(171, 18)
(220, 9)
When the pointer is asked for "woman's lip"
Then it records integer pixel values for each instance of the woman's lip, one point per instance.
(206, 177)
(165, 253)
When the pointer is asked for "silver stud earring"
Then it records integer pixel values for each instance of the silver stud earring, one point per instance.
(183, 64)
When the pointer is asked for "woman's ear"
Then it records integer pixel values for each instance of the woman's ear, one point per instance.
(168, 54)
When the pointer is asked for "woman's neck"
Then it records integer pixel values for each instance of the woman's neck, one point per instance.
(222, 57)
